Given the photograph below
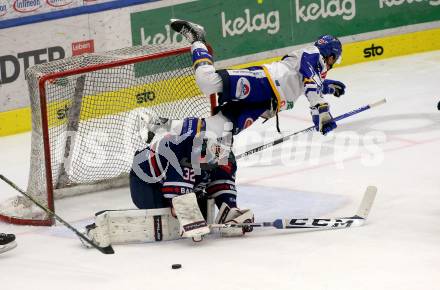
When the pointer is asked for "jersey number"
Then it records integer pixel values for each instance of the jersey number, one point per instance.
(189, 174)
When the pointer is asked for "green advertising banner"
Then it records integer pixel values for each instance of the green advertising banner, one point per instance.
(242, 27)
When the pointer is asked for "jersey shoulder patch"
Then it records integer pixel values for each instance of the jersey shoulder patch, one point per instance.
(311, 64)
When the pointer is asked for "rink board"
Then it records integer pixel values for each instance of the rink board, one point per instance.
(19, 120)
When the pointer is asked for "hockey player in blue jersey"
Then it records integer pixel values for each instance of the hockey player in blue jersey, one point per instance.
(179, 170)
(195, 160)
(260, 91)
(170, 181)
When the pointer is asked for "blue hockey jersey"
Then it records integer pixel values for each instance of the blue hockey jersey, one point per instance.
(168, 163)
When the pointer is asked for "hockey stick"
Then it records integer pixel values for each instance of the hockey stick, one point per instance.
(356, 220)
(310, 129)
(104, 250)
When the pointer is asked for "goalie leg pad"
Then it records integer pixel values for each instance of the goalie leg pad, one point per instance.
(133, 226)
(227, 215)
(192, 223)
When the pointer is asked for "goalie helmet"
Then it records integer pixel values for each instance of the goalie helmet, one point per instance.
(329, 45)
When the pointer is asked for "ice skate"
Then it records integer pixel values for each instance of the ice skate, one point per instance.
(191, 31)
(7, 242)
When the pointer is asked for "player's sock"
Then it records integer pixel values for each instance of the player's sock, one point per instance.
(193, 126)
(215, 126)
(200, 55)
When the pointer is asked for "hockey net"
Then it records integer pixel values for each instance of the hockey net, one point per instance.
(85, 119)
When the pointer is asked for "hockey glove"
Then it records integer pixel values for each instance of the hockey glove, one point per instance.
(332, 87)
(322, 118)
(227, 215)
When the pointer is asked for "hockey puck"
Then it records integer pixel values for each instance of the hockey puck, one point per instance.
(438, 106)
(176, 266)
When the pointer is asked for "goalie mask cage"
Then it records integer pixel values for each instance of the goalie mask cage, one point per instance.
(85, 119)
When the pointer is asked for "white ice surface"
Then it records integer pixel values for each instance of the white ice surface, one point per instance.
(399, 247)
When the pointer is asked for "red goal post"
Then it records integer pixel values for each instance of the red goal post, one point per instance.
(85, 125)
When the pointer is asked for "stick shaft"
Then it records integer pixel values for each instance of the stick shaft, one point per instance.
(106, 250)
(310, 129)
(304, 223)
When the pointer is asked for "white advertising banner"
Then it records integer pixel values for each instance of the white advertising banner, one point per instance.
(27, 45)
(10, 9)
(73, 30)
(23, 46)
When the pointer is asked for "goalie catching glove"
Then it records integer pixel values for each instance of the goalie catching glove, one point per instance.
(227, 215)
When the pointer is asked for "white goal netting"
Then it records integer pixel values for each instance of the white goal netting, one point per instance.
(85, 118)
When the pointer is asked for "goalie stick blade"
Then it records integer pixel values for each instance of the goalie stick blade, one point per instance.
(314, 224)
(86, 243)
(367, 202)
(319, 223)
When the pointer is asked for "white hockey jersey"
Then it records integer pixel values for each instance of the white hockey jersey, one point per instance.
(299, 73)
